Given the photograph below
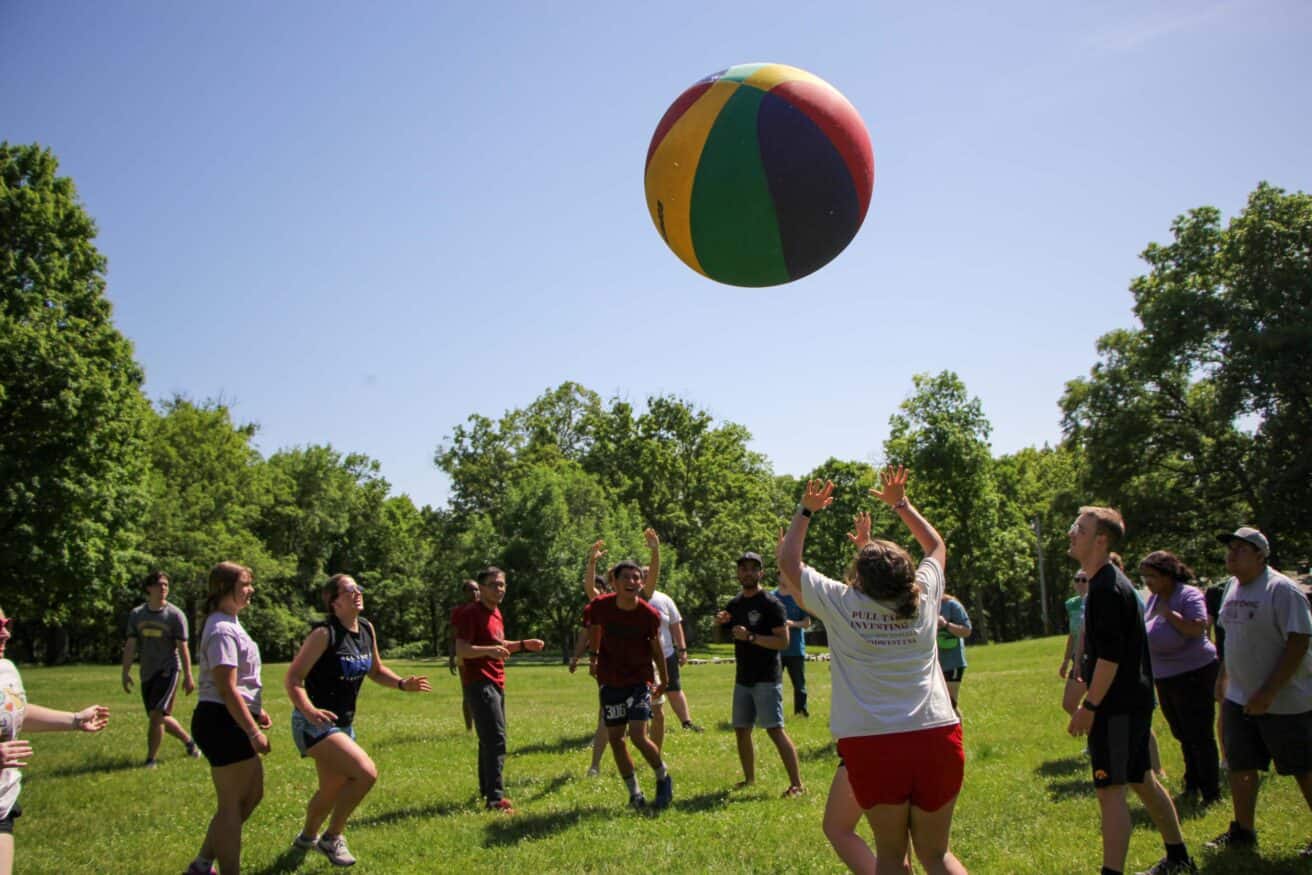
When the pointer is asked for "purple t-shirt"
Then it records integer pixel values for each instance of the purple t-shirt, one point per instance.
(1173, 653)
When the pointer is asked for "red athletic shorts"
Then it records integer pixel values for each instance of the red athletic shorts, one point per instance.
(922, 767)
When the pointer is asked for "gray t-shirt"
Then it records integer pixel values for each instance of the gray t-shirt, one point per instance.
(157, 634)
(1258, 618)
(225, 642)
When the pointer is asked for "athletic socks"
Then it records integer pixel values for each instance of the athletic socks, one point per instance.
(1177, 853)
(661, 772)
(631, 781)
(1107, 870)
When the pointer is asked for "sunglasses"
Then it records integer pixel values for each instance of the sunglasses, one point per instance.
(351, 589)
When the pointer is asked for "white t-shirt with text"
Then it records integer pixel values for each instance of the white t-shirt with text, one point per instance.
(884, 670)
(1258, 618)
(669, 612)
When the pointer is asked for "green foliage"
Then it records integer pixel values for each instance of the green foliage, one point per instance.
(72, 416)
(1194, 422)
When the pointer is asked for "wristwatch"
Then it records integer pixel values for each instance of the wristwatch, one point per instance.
(751, 637)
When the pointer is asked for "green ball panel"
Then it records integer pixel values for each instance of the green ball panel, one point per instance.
(735, 231)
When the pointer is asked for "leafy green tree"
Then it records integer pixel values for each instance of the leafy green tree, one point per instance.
(72, 414)
(1194, 422)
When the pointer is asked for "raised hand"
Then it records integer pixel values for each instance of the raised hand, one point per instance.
(860, 536)
(597, 550)
(653, 540)
(818, 495)
(893, 479)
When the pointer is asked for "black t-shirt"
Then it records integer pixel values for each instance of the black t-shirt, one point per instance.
(762, 614)
(1114, 631)
(333, 682)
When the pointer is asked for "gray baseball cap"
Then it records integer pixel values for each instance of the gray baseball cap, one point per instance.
(1251, 535)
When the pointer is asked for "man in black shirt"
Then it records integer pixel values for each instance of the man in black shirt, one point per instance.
(1117, 711)
(760, 630)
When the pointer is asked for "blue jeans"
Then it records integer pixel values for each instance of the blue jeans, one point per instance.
(796, 666)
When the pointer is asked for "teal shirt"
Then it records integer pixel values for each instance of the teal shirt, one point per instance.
(951, 649)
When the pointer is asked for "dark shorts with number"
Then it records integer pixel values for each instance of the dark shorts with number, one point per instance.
(1251, 743)
(159, 690)
(1118, 748)
(218, 736)
(620, 705)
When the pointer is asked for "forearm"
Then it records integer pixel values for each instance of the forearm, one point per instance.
(296, 693)
(184, 653)
(676, 635)
(129, 654)
(581, 643)
(39, 719)
(590, 579)
(770, 642)
(653, 573)
(930, 541)
(1069, 653)
(1104, 672)
(959, 630)
(1290, 660)
(237, 707)
(789, 554)
(1187, 628)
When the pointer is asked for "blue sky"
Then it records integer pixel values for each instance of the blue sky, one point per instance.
(359, 224)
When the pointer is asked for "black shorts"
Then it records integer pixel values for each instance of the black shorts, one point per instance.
(672, 672)
(1251, 743)
(158, 690)
(218, 736)
(620, 705)
(954, 675)
(1118, 748)
(7, 822)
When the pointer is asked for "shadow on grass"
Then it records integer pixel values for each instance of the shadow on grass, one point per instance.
(288, 861)
(552, 786)
(819, 752)
(96, 765)
(1062, 767)
(384, 818)
(704, 802)
(560, 745)
(530, 827)
(1235, 862)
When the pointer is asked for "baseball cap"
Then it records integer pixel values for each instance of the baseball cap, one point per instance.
(749, 556)
(1251, 535)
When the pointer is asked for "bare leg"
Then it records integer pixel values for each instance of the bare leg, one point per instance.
(679, 702)
(657, 725)
(623, 762)
(1160, 808)
(787, 753)
(1115, 826)
(154, 734)
(174, 728)
(239, 788)
(746, 754)
(348, 768)
(842, 814)
(953, 688)
(1243, 793)
(6, 854)
(1154, 757)
(650, 752)
(930, 831)
(599, 741)
(889, 824)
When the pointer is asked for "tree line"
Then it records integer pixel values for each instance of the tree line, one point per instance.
(1192, 423)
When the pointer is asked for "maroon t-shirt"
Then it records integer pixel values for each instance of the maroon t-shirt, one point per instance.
(625, 656)
(479, 626)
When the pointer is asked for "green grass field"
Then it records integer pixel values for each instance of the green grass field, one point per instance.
(1027, 805)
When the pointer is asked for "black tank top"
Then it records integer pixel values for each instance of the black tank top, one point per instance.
(334, 680)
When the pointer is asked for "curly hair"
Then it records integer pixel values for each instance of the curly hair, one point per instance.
(884, 571)
(1167, 563)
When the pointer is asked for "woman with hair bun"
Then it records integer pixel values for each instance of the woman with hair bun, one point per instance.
(898, 735)
(1184, 668)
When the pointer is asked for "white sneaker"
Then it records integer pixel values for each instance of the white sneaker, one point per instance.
(304, 842)
(335, 850)
(592, 773)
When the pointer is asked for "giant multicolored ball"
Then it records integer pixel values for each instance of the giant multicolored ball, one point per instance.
(759, 174)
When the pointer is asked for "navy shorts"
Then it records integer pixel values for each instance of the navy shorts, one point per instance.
(7, 822)
(672, 672)
(954, 675)
(620, 705)
(1251, 743)
(158, 691)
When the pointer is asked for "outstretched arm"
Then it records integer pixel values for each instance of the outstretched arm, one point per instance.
(596, 551)
(654, 567)
(789, 553)
(894, 494)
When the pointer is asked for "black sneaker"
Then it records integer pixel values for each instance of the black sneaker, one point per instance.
(1234, 837)
(1306, 853)
(664, 792)
(638, 802)
(691, 727)
(1164, 866)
